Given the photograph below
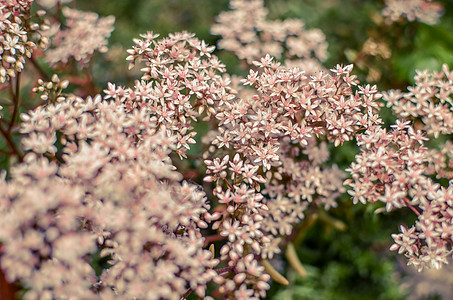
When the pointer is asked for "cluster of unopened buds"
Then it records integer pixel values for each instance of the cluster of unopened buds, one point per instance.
(51, 90)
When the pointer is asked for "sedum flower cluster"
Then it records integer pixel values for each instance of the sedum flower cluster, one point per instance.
(398, 169)
(48, 4)
(181, 80)
(110, 190)
(98, 207)
(424, 11)
(429, 105)
(393, 168)
(19, 36)
(249, 35)
(280, 134)
(83, 34)
(428, 101)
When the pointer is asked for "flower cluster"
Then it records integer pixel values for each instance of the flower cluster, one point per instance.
(389, 165)
(97, 208)
(241, 213)
(375, 48)
(185, 85)
(427, 244)
(429, 104)
(181, 81)
(372, 50)
(51, 90)
(278, 129)
(111, 187)
(429, 101)
(391, 168)
(246, 32)
(42, 243)
(18, 36)
(421, 10)
(48, 4)
(394, 167)
(289, 103)
(83, 34)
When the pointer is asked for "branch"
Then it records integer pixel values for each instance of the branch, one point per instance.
(6, 152)
(186, 294)
(275, 275)
(39, 69)
(411, 207)
(300, 229)
(16, 100)
(294, 261)
(11, 144)
(213, 238)
(225, 270)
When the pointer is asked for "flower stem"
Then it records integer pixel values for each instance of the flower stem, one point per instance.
(294, 261)
(16, 101)
(11, 144)
(275, 275)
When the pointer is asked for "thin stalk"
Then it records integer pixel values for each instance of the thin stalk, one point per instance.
(335, 223)
(275, 275)
(300, 230)
(6, 152)
(16, 101)
(294, 261)
(39, 69)
(186, 294)
(11, 144)
(224, 270)
(411, 207)
(213, 238)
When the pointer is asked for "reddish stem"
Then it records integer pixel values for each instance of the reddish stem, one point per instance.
(8, 290)
(11, 144)
(213, 238)
(411, 207)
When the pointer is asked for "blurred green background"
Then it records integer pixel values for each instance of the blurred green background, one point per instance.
(347, 24)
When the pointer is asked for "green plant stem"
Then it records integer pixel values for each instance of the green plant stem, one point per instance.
(294, 261)
(39, 69)
(300, 230)
(275, 275)
(16, 101)
(335, 223)
(6, 153)
(11, 144)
